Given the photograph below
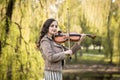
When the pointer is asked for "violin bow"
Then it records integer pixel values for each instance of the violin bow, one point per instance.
(68, 27)
(68, 30)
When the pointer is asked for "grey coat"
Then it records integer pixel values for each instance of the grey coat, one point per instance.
(53, 53)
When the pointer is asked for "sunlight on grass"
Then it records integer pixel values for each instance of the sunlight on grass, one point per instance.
(90, 57)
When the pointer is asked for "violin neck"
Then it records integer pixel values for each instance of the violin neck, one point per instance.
(74, 34)
(91, 36)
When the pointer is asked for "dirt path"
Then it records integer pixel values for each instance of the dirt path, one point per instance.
(84, 68)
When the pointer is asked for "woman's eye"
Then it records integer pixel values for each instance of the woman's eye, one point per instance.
(54, 25)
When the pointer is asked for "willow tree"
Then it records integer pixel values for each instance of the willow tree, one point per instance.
(98, 15)
(20, 22)
(115, 26)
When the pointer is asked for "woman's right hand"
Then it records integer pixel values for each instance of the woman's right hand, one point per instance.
(68, 52)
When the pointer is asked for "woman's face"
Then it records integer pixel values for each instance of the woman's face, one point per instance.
(53, 28)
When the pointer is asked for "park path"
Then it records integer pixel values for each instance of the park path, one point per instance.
(93, 68)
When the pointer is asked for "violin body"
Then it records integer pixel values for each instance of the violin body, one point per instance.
(62, 37)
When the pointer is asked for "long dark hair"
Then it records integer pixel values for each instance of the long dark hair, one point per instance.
(44, 30)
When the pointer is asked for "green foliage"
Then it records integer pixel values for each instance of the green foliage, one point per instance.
(19, 58)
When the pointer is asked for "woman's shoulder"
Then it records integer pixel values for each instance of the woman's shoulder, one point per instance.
(46, 38)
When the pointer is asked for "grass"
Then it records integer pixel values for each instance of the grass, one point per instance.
(90, 57)
(91, 60)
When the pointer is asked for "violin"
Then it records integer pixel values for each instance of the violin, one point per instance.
(74, 37)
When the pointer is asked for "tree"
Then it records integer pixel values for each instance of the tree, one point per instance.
(19, 24)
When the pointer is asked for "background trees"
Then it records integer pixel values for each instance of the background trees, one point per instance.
(21, 20)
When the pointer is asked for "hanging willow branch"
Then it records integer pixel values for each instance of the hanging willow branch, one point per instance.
(96, 12)
(22, 38)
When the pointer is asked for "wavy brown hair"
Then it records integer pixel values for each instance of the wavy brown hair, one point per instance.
(44, 29)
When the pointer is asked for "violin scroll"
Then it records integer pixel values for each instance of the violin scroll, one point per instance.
(91, 36)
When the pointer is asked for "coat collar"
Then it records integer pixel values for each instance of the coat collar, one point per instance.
(50, 38)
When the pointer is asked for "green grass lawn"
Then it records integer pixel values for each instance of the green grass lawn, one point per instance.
(90, 57)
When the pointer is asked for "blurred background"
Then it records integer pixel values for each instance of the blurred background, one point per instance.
(20, 24)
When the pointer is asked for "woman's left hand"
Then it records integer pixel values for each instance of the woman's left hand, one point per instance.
(81, 38)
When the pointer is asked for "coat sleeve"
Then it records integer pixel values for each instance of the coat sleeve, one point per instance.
(75, 48)
(49, 53)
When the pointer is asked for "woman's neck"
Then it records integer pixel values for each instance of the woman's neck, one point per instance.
(50, 35)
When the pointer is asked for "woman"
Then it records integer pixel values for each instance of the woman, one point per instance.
(53, 53)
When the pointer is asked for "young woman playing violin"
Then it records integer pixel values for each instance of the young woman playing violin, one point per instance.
(52, 52)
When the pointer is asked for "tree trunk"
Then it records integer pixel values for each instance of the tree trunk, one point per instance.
(9, 11)
(110, 47)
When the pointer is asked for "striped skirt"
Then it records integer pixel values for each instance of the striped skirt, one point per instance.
(52, 75)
